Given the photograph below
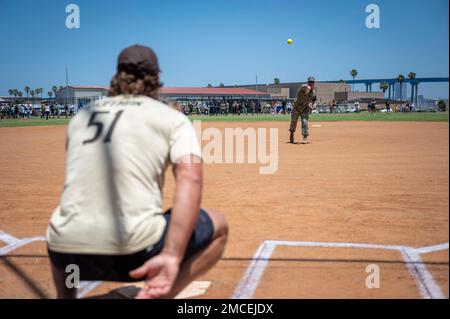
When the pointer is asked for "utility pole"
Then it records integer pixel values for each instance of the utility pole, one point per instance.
(256, 88)
(67, 86)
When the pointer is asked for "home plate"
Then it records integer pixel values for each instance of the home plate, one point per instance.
(194, 289)
(316, 125)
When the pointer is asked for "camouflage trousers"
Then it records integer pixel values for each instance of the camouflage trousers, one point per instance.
(304, 118)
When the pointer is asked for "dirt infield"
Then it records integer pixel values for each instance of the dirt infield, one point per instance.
(356, 182)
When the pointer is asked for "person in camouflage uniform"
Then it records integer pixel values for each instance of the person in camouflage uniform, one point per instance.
(303, 106)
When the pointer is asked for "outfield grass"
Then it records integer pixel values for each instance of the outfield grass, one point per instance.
(394, 117)
(34, 121)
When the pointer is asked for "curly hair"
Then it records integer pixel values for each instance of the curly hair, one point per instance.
(124, 83)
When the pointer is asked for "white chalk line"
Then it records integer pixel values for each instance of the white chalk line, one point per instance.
(426, 285)
(255, 271)
(7, 238)
(86, 287)
(431, 249)
(196, 288)
(428, 288)
(14, 243)
(334, 245)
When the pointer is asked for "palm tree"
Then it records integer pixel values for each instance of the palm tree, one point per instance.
(384, 86)
(60, 88)
(27, 90)
(11, 93)
(441, 105)
(36, 93)
(221, 85)
(14, 92)
(354, 74)
(54, 89)
(412, 76)
(209, 85)
(276, 81)
(49, 93)
(401, 79)
(41, 91)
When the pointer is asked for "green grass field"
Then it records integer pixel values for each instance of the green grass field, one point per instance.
(393, 117)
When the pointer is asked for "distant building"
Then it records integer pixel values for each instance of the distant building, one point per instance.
(325, 91)
(421, 99)
(199, 93)
(80, 95)
(364, 98)
(83, 95)
(404, 92)
(23, 99)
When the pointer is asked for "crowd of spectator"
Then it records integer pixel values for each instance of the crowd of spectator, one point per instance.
(235, 107)
(18, 111)
(44, 111)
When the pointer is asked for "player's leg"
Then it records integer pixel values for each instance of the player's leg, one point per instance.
(294, 119)
(305, 128)
(59, 279)
(205, 259)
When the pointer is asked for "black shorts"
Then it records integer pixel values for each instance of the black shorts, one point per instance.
(117, 267)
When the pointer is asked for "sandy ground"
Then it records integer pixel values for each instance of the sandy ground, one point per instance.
(359, 182)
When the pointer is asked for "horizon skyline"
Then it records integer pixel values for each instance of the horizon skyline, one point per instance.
(229, 42)
(375, 87)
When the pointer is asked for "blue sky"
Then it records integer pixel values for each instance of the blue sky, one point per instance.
(200, 42)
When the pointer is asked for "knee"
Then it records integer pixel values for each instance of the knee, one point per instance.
(220, 224)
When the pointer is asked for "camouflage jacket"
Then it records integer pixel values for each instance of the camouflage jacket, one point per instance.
(305, 96)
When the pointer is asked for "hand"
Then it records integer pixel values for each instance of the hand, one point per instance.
(161, 273)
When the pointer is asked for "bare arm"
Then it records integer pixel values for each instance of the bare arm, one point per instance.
(186, 206)
(162, 271)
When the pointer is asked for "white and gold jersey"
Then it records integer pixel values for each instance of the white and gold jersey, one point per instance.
(117, 152)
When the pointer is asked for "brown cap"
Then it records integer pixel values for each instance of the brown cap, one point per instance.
(138, 60)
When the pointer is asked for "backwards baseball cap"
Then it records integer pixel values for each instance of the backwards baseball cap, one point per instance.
(138, 60)
(311, 79)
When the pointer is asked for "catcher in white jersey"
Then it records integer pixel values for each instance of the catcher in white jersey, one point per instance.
(110, 221)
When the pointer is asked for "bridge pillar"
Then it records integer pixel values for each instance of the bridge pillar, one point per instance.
(412, 92)
(416, 93)
(389, 93)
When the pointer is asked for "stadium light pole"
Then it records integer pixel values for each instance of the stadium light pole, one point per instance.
(67, 86)
(256, 88)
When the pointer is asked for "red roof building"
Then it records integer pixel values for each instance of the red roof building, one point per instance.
(173, 92)
(78, 94)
